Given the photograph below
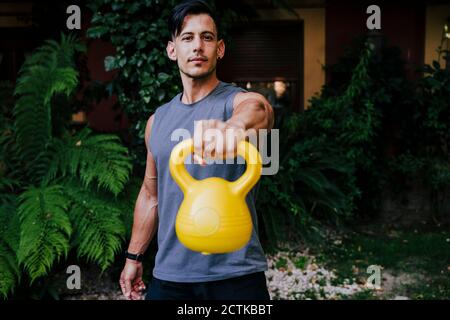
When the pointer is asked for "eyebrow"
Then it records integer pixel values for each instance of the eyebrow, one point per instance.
(191, 33)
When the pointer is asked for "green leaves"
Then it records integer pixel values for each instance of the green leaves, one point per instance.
(99, 158)
(110, 63)
(99, 229)
(9, 271)
(97, 32)
(58, 192)
(321, 151)
(162, 76)
(145, 76)
(47, 72)
(45, 229)
(9, 235)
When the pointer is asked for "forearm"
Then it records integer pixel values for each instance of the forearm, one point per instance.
(252, 114)
(145, 222)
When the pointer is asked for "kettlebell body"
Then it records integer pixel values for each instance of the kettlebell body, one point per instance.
(214, 217)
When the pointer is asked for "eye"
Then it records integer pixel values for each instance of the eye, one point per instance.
(208, 38)
(186, 38)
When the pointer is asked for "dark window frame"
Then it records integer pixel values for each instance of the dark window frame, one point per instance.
(298, 81)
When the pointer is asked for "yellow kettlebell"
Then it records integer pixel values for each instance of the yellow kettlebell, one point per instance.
(214, 217)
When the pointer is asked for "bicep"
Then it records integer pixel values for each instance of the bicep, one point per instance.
(249, 96)
(251, 103)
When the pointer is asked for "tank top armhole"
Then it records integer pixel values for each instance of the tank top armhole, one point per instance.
(230, 100)
(151, 132)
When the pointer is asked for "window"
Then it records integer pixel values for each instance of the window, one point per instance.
(267, 57)
(279, 93)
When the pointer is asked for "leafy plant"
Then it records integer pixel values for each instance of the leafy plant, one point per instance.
(320, 152)
(410, 138)
(431, 147)
(59, 192)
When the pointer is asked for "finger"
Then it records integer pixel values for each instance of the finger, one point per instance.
(198, 137)
(209, 151)
(221, 145)
(199, 160)
(229, 148)
(136, 295)
(210, 134)
(127, 288)
(137, 281)
(122, 286)
(139, 286)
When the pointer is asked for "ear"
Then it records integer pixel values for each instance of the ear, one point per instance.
(220, 49)
(171, 51)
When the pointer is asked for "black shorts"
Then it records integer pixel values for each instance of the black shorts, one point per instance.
(248, 287)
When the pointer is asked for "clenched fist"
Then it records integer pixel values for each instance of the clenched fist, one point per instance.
(215, 139)
(131, 282)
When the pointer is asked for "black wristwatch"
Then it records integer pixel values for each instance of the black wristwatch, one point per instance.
(132, 256)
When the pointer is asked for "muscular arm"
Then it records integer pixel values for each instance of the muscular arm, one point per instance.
(251, 110)
(145, 221)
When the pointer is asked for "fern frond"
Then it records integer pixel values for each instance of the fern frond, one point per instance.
(11, 167)
(98, 227)
(9, 271)
(45, 229)
(47, 72)
(8, 184)
(99, 158)
(9, 231)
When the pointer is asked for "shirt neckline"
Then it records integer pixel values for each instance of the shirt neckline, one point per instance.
(190, 105)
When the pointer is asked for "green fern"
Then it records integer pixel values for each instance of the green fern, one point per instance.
(9, 271)
(98, 158)
(45, 229)
(98, 226)
(47, 72)
(10, 165)
(65, 206)
(9, 231)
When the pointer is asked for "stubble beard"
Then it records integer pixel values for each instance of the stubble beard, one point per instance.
(199, 76)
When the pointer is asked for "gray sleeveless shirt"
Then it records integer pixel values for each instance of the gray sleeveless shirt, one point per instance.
(175, 262)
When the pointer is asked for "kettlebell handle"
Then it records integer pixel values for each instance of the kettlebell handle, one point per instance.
(241, 186)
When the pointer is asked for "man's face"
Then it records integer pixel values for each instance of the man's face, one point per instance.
(196, 49)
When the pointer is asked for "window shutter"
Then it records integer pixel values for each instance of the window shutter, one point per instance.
(263, 52)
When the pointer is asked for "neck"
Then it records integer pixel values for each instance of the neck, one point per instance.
(196, 89)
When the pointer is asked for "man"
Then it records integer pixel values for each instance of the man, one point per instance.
(205, 103)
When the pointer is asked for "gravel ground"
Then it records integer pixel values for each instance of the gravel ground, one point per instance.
(290, 277)
(299, 277)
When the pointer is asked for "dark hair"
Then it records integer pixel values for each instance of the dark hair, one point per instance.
(177, 15)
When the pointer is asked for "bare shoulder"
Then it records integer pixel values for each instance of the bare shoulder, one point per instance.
(242, 96)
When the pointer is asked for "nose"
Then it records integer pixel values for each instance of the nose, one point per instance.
(198, 44)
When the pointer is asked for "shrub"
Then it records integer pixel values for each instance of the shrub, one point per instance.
(58, 192)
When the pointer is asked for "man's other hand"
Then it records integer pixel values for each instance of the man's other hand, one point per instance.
(131, 280)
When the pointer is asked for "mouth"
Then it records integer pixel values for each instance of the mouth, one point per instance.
(198, 60)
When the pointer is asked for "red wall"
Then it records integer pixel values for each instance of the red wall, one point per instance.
(403, 25)
(101, 117)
